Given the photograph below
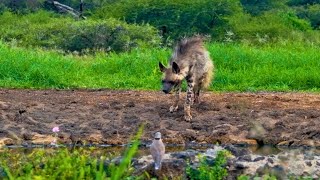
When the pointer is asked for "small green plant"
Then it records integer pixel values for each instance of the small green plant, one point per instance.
(50, 164)
(207, 172)
(63, 163)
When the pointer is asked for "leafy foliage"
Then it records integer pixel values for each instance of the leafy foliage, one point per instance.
(230, 21)
(50, 31)
(257, 7)
(65, 164)
(310, 13)
(302, 2)
(206, 172)
(175, 18)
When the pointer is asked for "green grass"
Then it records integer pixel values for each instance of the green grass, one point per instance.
(82, 163)
(239, 67)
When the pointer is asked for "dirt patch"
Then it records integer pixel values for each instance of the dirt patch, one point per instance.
(112, 117)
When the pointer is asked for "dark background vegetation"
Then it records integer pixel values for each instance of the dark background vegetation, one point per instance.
(120, 25)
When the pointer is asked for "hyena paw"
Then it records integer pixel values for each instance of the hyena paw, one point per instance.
(173, 108)
(187, 118)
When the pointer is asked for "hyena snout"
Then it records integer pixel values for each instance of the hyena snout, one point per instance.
(165, 91)
(167, 87)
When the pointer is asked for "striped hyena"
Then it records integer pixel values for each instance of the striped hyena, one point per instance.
(191, 61)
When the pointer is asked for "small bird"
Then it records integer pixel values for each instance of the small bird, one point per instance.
(157, 150)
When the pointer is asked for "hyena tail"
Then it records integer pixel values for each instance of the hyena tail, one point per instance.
(208, 77)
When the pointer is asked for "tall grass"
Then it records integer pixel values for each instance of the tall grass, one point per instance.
(52, 164)
(65, 164)
(280, 67)
(283, 66)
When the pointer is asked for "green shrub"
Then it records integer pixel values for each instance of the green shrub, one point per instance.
(47, 30)
(269, 27)
(175, 18)
(310, 13)
(302, 2)
(110, 35)
(206, 172)
(257, 7)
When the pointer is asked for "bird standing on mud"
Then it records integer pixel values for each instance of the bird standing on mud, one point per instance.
(157, 150)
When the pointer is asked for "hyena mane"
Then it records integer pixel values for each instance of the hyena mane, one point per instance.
(191, 52)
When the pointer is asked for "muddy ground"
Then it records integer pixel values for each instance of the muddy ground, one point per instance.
(112, 117)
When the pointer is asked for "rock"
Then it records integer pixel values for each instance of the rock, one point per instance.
(259, 159)
(308, 163)
(186, 155)
(27, 136)
(236, 151)
(213, 152)
(283, 157)
(277, 171)
(245, 158)
(241, 165)
(170, 169)
(270, 160)
(7, 142)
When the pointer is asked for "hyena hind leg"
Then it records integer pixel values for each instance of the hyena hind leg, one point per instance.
(196, 97)
(196, 94)
(174, 107)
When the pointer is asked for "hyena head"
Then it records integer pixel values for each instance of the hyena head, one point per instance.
(170, 77)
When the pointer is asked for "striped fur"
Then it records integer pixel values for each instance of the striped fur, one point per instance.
(190, 61)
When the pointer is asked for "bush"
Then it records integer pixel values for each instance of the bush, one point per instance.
(175, 18)
(302, 2)
(271, 26)
(110, 35)
(257, 7)
(47, 30)
(22, 6)
(310, 13)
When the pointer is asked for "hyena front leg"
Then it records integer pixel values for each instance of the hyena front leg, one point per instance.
(187, 111)
(174, 107)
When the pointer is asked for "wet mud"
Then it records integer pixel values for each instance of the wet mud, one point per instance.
(113, 117)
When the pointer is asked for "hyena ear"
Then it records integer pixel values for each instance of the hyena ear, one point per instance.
(175, 68)
(162, 68)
